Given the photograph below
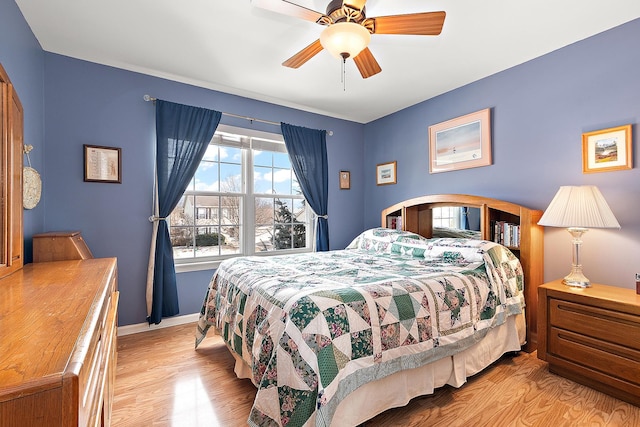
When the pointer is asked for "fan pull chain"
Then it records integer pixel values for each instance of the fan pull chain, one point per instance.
(343, 74)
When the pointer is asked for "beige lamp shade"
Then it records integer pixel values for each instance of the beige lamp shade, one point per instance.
(345, 39)
(579, 207)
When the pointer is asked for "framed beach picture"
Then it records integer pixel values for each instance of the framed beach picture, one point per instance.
(460, 143)
(607, 150)
(386, 173)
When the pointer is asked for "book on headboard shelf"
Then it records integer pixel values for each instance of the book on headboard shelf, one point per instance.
(506, 233)
(394, 222)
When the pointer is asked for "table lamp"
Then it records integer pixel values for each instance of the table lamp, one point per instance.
(578, 208)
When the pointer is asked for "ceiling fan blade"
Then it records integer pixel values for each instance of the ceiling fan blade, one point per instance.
(304, 55)
(288, 8)
(367, 64)
(419, 24)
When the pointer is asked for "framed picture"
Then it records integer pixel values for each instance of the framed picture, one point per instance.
(345, 180)
(386, 173)
(460, 143)
(102, 164)
(607, 150)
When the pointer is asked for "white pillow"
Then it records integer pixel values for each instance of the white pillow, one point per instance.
(382, 239)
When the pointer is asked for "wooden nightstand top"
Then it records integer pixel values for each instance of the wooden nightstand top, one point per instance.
(608, 296)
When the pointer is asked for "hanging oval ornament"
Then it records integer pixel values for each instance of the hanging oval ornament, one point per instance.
(31, 186)
(31, 183)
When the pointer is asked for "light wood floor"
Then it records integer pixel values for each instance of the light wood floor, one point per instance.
(162, 381)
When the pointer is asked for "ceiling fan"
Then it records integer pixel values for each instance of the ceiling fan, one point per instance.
(348, 30)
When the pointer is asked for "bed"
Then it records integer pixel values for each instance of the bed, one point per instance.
(334, 338)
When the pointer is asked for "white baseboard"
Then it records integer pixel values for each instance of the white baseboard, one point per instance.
(166, 323)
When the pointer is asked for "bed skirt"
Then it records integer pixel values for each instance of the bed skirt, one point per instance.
(398, 389)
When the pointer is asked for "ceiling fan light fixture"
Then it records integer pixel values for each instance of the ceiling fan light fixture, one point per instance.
(345, 39)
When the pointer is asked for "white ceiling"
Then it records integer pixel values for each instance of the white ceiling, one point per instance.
(234, 47)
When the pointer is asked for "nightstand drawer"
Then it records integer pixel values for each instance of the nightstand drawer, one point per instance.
(611, 359)
(603, 324)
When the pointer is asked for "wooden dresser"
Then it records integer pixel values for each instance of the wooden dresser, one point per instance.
(58, 343)
(592, 336)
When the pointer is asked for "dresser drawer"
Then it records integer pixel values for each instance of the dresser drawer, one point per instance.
(90, 377)
(90, 386)
(602, 324)
(94, 356)
(96, 395)
(108, 371)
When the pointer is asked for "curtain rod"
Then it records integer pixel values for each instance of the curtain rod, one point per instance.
(251, 119)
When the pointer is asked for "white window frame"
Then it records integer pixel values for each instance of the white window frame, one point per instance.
(256, 140)
(447, 213)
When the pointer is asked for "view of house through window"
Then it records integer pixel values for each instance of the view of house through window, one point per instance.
(446, 217)
(244, 199)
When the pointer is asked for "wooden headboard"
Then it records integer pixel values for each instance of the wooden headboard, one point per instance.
(415, 215)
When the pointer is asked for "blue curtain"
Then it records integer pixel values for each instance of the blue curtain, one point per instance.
(308, 153)
(183, 134)
(465, 218)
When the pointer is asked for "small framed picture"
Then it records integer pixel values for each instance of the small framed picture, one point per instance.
(345, 180)
(461, 143)
(102, 164)
(386, 173)
(607, 150)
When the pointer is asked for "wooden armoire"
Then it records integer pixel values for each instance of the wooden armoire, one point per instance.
(11, 153)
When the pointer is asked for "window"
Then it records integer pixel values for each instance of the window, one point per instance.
(244, 199)
(446, 216)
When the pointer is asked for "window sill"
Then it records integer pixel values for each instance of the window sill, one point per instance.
(185, 267)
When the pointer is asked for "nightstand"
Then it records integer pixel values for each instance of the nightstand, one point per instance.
(592, 336)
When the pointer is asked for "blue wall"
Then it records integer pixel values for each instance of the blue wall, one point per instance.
(539, 111)
(86, 103)
(23, 60)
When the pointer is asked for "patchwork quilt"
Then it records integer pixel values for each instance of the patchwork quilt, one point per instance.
(314, 327)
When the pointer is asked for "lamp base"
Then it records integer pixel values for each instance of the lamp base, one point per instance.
(576, 279)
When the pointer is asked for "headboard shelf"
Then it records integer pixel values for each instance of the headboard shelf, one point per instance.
(415, 215)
